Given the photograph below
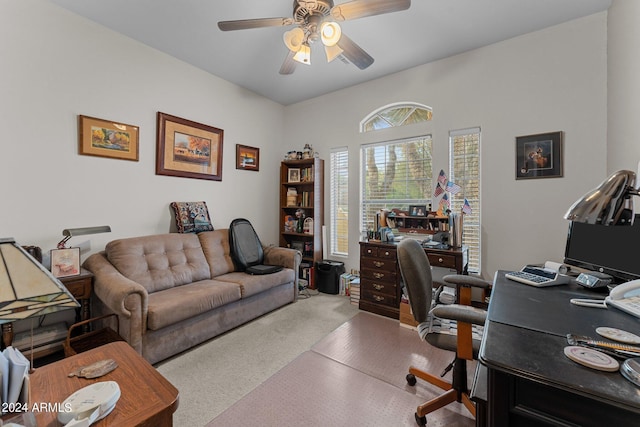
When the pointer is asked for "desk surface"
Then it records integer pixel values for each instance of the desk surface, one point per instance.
(525, 335)
(146, 398)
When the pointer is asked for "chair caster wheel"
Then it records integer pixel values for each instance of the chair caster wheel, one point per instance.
(422, 421)
(411, 379)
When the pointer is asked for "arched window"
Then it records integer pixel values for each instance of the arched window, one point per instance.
(398, 114)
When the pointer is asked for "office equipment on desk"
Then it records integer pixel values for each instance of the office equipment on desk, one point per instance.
(538, 277)
(614, 349)
(587, 302)
(626, 297)
(630, 369)
(594, 280)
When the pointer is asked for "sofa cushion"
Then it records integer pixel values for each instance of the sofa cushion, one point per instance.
(160, 261)
(176, 304)
(215, 245)
(251, 285)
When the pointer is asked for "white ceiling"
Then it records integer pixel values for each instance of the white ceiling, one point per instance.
(429, 30)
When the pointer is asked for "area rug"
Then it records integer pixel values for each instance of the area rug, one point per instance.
(355, 376)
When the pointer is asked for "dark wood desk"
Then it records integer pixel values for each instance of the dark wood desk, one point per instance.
(380, 289)
(529, 379)
(146, 397)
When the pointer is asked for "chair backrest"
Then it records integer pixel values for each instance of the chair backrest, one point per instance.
(416, 274)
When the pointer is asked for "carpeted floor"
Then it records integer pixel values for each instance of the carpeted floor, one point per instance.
(353, 377)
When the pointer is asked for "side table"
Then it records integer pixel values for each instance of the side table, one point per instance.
(146, 397)
(81, 287)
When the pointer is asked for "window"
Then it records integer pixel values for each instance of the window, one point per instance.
(396, 115)
(464, 164)
(339, 201)
(395, 174)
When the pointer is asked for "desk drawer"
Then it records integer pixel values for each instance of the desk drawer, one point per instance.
(439, 260)
(377, 252)
(367, 272)
(377, 286)
(378, 264)
(379, 298)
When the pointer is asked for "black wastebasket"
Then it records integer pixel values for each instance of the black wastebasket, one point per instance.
(328, 276)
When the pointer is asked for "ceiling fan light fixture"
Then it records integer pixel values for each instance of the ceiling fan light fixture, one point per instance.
(294, 39)
(304, 54)
(330, 32)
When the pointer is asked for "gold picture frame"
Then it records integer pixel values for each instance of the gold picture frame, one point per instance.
(65, 262)
(106, 138)
(188, 149)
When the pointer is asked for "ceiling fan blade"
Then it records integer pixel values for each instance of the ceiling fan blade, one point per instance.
(245, 24)
(354, 53)
(361, 8)
(289, 65)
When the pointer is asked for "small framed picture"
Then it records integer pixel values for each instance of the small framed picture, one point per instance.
(418, 210)
(106, 138)
(293, 175)
(539, 156)
(65, 262)
(247, 158)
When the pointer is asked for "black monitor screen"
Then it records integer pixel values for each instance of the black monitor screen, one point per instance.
(608, 249)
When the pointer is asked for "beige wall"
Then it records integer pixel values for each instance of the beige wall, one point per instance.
(550, 80)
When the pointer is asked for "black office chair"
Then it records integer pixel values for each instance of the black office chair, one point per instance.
(416, 274)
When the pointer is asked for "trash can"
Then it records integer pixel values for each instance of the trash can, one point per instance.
(328, 276)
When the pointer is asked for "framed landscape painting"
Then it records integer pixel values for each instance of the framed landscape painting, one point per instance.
(106, 138)
(188, 149)
(247, 158)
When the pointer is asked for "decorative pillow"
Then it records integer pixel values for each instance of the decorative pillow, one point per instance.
(192, 217)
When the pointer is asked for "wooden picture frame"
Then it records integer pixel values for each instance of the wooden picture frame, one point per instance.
(188, 149)
(247, 158)
(106, 138)
(418, 210)
(65, 262)
(293, 175)
(539, 156)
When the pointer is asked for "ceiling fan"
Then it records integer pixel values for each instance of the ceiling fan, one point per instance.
(316, 20)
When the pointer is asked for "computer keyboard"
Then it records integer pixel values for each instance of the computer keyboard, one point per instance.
(536, 277)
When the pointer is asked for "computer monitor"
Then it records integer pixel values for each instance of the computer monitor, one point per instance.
(608, 249)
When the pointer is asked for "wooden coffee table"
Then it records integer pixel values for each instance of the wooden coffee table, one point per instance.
(146, 399)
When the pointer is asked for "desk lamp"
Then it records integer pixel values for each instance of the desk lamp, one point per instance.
(68, 233)
(27, 289)
(610, 203)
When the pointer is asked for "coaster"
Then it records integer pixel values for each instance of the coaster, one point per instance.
(618, 335)
(591, 358)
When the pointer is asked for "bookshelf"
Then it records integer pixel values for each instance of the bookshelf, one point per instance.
(302, 188)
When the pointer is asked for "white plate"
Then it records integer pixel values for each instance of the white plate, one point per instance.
(618, 335)
(591, 358)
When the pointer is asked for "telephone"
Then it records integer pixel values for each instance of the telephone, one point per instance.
(626, 297)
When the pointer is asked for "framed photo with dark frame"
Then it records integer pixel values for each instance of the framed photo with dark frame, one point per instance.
(293, 175)
(188, 149)
(106, 138)
(65, 262)
(539, 156)
(247, 158)
(418, 210)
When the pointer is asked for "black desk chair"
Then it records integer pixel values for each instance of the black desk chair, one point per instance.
(416, 274)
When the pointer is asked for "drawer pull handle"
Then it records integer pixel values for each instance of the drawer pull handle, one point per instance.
(440, 260)
(369, 251)
(378, 264)
(386, 253)
(378, 275)
(378, 298)
(378, 287)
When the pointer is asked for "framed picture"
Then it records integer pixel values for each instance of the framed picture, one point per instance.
(65, 262)
(293, 175)
(188, 149)
(539, 156)
(247, 158)
(418, 210)
(105, 138)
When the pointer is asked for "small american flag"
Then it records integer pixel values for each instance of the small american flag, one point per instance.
(442, 178)
(438, 191)
(445, 200)
(453, 188)
(466, 207)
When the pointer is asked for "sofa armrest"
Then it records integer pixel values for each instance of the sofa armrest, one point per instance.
(124, 297)
(286, 257)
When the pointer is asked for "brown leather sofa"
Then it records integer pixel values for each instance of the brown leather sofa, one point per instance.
(174, 291)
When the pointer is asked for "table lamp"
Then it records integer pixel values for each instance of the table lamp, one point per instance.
(68, 233)
(611, 203)
(27, 289)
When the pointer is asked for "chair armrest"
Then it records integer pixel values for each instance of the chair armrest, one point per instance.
(124, 297)
(465, 280)
(460, 313)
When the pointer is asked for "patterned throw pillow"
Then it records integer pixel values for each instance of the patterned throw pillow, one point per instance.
(192, 217)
